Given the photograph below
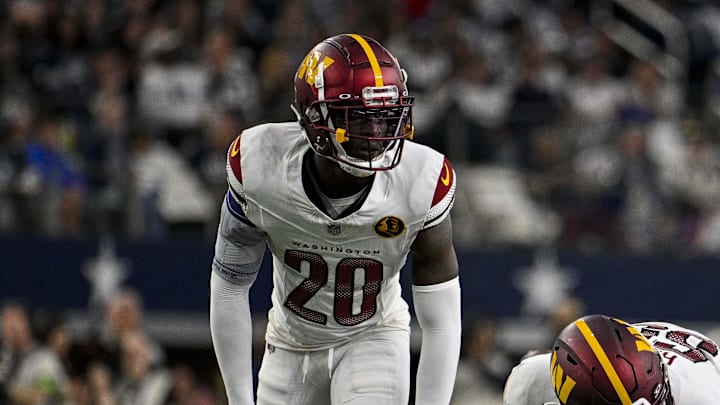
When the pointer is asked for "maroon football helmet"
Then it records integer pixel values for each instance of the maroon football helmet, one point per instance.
(602, 360)
(352, 101)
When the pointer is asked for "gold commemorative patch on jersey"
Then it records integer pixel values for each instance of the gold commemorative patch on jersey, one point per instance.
(389, 227)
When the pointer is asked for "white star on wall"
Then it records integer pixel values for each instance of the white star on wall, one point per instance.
(106, 272)
(544, 284)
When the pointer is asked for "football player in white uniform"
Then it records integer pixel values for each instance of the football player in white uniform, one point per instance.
(340, 212)
(602, 360)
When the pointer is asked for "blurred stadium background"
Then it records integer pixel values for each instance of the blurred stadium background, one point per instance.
(584, 134)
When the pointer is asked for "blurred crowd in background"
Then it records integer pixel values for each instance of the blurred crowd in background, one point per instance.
(115, 117)
(116, 114)
(116, 362)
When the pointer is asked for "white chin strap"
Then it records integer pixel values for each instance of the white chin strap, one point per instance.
(383, 160)
(355, 171)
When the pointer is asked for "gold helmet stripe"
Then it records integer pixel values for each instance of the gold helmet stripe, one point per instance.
(604, 361)
(372, 58)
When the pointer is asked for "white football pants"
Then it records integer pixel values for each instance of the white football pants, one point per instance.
(372, 369)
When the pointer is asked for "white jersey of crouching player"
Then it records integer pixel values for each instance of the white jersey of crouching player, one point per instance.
(691, 361)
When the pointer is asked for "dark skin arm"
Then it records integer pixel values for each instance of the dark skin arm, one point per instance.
(433, 255)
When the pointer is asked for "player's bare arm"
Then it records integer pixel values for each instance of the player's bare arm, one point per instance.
(433, 255)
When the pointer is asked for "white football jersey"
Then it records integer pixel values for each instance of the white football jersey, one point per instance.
(529, 383)
(692, 359)
(333, 278)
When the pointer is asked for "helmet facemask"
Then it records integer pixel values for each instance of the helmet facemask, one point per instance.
(361, 136)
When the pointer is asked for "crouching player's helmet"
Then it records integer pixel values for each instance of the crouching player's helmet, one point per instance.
(602, 360)
(352, 101)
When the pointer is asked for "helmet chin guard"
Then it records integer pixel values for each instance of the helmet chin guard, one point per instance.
(383, 160)
(351, 100)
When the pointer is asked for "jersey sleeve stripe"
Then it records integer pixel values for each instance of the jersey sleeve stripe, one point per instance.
(430, 222)
(237, 196)
(233, 158)
(236, 209)
(234, 170)
(444, 196)
(445, 183)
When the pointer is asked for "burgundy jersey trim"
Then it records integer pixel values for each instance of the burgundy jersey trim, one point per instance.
(445, 182)
(234, 158)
